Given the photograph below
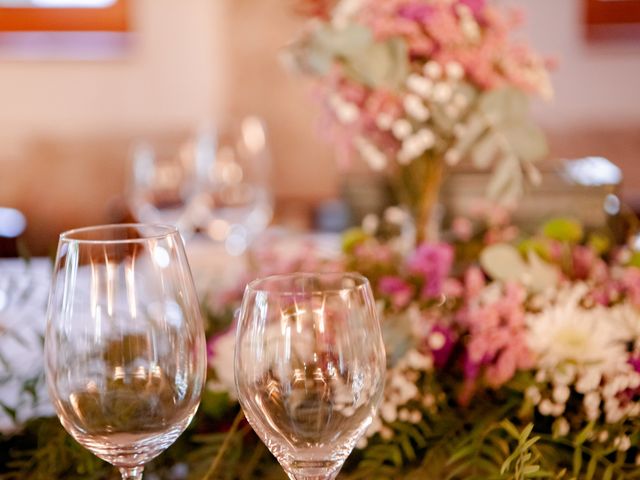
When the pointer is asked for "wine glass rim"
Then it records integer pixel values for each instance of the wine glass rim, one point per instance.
(161, 231)
(360, 282)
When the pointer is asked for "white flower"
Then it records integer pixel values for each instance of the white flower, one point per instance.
(546, 407)
(433, 69)
(376, 160)
(384, 121)
(415, 145)
(420, 85)
(562, 427)
(589, 381)
(442, 92)
(622, 443)
(569, 333)
(561, 394)
(346, 112)
(370, 223)
(452, 157)
(591, 401)
(23, 297)
(395, 215)
(533, 393)
(454, 70)
(415, 108)
(401, 129)
(222, 362)
(345, 11)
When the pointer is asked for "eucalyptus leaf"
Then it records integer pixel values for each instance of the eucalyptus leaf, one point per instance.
(350, 41)
(504, 105)
(506, 182)
(526, 140)
(382, 64)
(473, 129)
(503, 262)
(485, 151)
(316, 53)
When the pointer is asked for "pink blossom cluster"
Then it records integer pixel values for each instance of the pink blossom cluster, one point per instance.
(473, 33)
(497, 337)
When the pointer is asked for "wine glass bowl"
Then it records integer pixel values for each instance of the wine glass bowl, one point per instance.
(310, 366)
(164, 181)
(235, 202)
(125, 350)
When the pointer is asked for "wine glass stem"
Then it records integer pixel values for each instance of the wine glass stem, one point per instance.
(133, 473)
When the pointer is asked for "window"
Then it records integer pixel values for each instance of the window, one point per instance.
(64, 16)
(612, 19)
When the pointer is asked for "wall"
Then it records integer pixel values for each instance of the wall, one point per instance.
(595, 83)
(596, 109)
(65, 125)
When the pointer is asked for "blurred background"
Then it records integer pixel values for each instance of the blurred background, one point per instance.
(91, 88)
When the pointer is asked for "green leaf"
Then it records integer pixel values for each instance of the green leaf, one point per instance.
(591, 467)
(503, 262)
(526, 140)
(577, 461)
(485, 151)
(564, 230)
(510, 428)
(634, 261)
(584, 434)
(506, 183)
(352, 238)
(382, 64)
(504, 106)
(600, 243)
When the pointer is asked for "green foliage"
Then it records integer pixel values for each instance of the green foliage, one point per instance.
(352, 238)
(563, 230)
(45, 451)
(365, 60)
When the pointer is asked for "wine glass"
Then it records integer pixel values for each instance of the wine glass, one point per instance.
(310, 367)
(234, 203)
(164, 181)
(125, 353)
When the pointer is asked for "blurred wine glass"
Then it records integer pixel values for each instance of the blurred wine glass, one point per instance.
(125, 355)
(164, 181)
(235, 203)
(309, 368)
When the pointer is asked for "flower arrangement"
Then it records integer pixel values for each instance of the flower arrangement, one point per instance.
(415, 86)
(510, 356)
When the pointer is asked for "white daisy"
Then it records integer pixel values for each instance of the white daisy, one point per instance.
(568, 333)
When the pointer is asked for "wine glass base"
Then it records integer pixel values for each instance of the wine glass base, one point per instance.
(313, 470)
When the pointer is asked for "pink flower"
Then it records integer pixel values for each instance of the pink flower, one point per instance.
(474, 282)
(583, 259)
(462, 228)
(400, 291)
(631, 284)
(497, 341)
(432, 262)
(220, 351)
(420, 12)
(476, 6)
(453, 288)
